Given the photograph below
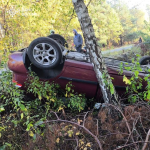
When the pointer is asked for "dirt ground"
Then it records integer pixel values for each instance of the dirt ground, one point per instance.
(125, 127)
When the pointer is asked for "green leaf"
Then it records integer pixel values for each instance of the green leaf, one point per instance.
(21, 115)
(34, 137)
(69, 89)
(136, 73)
(38, 123)
(8, 144)
(3, 147)
(71, 94)
(22, 107)
(2, 109)
(148, 95)
(112, 89)
(29, 126)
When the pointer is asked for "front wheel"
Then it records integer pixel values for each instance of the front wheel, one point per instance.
(44, 53)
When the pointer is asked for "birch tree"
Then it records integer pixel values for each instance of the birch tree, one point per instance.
(105, 82)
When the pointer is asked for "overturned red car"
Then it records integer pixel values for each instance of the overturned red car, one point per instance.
(50, 60)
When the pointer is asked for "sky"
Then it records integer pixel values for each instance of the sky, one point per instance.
(140, 3)
(136, 3)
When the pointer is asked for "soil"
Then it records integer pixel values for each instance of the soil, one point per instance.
(124, 127)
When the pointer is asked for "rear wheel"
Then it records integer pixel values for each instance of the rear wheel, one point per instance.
(59, 39)
(145, 60)
(44, 53)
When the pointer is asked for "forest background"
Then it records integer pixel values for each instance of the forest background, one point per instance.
(115, 23)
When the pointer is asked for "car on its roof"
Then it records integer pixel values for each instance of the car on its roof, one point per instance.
(51, 61)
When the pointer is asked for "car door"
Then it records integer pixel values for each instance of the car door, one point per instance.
(82, 76)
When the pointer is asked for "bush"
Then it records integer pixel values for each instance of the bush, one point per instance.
(21, 117)
(134, 88)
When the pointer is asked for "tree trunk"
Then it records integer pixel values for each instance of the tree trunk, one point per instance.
(121, 42)
(105, 82)
(1, 31)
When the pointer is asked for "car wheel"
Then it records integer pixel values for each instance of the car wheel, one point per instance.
(59, 39)
(145, 60)
(44, 53)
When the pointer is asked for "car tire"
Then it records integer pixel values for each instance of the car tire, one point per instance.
(145, 60)
(44, 53)
(61, 40)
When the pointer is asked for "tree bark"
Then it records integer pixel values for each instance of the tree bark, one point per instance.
(100, 68)
(1, 31)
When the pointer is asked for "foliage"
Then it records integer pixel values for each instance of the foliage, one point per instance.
(132, 21)
(108, 83)
(75, 101)
(10, 95)
(146, 33)
(44, 91)
(11, 104)
(23, 21)
(51, 94)
(106, 23)
(134, 88)
(20, 112)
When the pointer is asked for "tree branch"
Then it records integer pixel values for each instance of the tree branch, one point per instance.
(146, 140)
(88, 3)
(70, 19)
(127, 124)
(81, 126)
(130, 145)
(95, 137)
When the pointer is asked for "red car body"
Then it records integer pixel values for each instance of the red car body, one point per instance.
(80, 73)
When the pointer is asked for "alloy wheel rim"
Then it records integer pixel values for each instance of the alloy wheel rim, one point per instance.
(44, 54)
